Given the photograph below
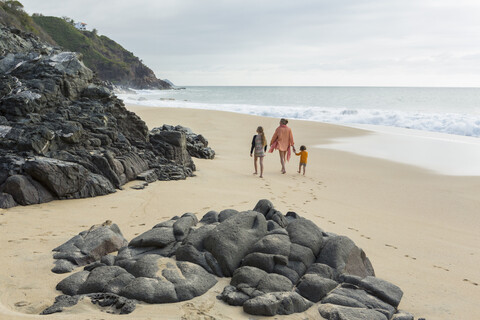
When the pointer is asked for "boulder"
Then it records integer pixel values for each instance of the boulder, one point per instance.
(382, 289)
(156, 237)
(334, 312)
(25, 190)
(230, 241)
(276, 303)
(210, 217)
(89, 246)
(6, 201)
(66, 179)
(263, 206)
(304, 232)
(314, 287)
(341, 253)
(273, 272)
(364, 298)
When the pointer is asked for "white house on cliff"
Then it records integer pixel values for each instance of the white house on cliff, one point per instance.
(81, 26)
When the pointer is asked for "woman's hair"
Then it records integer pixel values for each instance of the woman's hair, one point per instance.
(262, 134)
(303, 148)
(284, 121)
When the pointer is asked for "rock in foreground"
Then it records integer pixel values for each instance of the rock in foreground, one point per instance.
(278, 265)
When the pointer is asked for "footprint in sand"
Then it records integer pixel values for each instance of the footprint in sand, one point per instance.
(364, 236)
(439, 267)
(332, 222)
(391, 246)
(205, 208)
(407, 256)
(192, 311)
(471, 282)
(20, 304)
(141, 224)
(350, 228)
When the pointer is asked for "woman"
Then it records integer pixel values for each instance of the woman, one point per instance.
(282, 140)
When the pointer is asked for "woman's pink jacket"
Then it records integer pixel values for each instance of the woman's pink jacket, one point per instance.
(284, 138)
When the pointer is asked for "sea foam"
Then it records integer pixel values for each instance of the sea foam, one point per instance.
(464, 124)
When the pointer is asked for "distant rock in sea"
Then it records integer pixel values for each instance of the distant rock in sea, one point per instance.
(64, 135)
(278, 264)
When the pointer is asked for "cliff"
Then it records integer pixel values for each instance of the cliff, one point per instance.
(109, 60)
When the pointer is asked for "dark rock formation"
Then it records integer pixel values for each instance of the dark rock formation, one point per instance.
(63, 135)
(88, 246)
(197, 145)
(283, 270)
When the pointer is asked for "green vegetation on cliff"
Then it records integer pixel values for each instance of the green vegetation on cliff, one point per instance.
(104, 56)
(109, 60)
(13, 15)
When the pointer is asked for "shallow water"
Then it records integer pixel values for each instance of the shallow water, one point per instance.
(441, 153)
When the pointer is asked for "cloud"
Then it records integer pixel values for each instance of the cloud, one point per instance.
(240, 42)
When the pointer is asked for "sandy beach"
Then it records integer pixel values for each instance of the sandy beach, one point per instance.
(421, 230)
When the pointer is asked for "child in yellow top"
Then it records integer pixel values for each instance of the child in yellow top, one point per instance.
(303, 158)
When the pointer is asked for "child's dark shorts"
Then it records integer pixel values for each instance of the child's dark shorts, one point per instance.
(303, 164)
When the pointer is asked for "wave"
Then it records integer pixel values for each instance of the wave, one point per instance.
(449, 123)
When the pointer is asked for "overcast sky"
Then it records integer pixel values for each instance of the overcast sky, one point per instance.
(291, 42)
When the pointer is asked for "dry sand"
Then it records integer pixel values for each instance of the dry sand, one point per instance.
(420, 230)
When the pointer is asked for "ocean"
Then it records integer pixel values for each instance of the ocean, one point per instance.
(453, 111)
(437, 129)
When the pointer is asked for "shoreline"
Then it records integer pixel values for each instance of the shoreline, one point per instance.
(419, 229)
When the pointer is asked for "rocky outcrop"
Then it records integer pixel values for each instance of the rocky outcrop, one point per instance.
(64, 135)
(197, 145)
(88, 246)
(276, 267)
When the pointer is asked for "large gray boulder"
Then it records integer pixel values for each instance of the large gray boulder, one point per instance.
(197, 145)
(334, 312)
(305, 233)
(25, 190)
(230, 241)
(341, 253)
(164, 280)
(172, 145)
(382, 289)
(360, 295)
(66, 179)
(281, 271)
(274, 303)
(314, 287)
(7, 201)
(88, 246)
